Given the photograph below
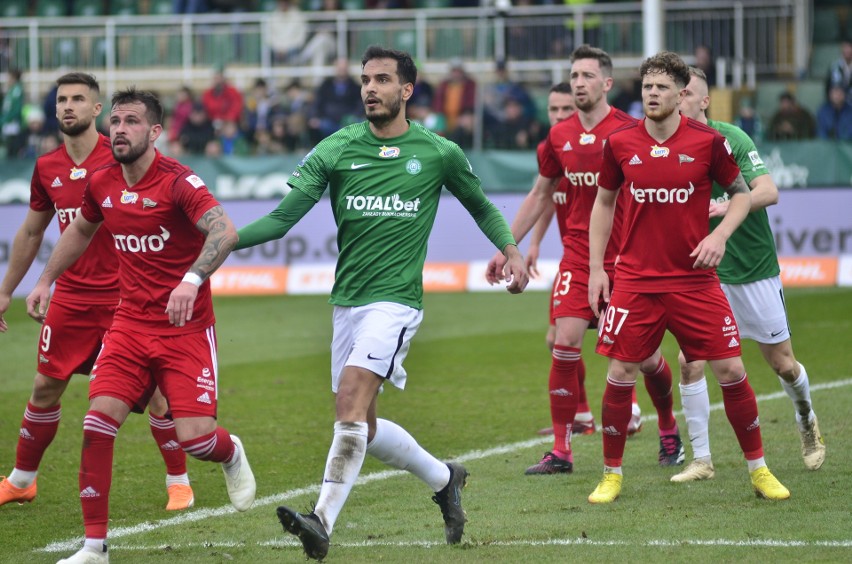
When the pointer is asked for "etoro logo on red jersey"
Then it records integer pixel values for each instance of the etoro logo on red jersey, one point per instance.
(661, 195)
(582, 179)
(143, 244)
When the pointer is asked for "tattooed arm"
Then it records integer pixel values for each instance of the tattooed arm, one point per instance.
(221, 237)
(709, 252)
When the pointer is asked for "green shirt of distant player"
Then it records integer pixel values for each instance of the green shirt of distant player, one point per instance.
(750, 253)
(384, 196)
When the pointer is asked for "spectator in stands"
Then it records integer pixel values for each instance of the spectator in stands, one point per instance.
(840, 73)
(261, 103)
(197, 132)
(190, 6)
(423, 92)
(454, 99)
(48, 106)
(231, 139)
(515, 130)
(12, 124)
(421, 111)
(704, 61)
(293, 113)
(34, 119)
(497, 94)
(791, 121)
(748, 120)
(222, 101)
(629, 98)
(834, 117)
(337, 102)
(184, 102)
(287, 30)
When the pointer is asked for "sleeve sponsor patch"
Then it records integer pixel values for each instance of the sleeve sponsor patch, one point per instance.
(195, 181)
(728, 147)
(754, 156)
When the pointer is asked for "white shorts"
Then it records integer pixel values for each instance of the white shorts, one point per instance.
(759, 310)
(376, 337)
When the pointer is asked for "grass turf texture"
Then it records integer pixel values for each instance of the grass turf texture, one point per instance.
(477, 386)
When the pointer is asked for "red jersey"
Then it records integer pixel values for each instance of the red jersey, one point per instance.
(667, 187)
(576, 154)
(153, 225)
(560, 199)
(58, 185)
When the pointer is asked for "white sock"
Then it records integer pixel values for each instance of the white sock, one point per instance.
(755, 464)
(22, 478)
(800, 393)
(171, 480)
(96, 545)
(345, 458)
(696, 411)
(613, 470)
(394, 446)
(584, 416)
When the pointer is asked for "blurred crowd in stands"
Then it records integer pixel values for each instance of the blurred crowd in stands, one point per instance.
(269, 118)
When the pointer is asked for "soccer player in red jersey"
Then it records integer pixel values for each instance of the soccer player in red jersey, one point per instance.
(171, 234)
(574, 153)
(85, 297)
(665, 276)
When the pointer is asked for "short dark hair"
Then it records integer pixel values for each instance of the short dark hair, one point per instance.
(589, 52)
(405, 67)
(666, 62)
(153, 107)
(83, 78)
(561, 88)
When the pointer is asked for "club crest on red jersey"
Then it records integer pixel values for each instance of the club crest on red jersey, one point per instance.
(128, 197)
(587, 138)
(77, 173)
(657, 151)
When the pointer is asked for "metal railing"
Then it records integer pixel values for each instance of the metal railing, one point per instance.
(165, 52)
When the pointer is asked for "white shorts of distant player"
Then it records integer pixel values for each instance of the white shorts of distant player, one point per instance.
(376, 337)
(759, 310)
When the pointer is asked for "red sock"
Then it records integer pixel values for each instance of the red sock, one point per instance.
(582, 400)
(633, 396)
(38, 428)
(563, 395)
(163, 430)
(215, 447)
(615, 418)
(99, 433)
(741, 409)
(659, 386)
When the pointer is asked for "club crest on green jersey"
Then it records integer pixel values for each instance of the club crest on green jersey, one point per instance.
(413, 167)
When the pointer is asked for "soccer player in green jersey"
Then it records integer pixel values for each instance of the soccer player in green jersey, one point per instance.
(750, 277)
(385, 177)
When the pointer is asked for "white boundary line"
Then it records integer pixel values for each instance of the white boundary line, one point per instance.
(202, 514)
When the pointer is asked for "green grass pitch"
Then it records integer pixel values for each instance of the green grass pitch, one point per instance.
(476, 392)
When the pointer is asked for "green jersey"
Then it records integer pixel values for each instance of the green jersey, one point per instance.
(750, 254)
(384, 197)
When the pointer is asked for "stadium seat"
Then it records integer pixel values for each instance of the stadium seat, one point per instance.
(351, 4)
(160, 8)
(822, 56)
(433, 3)
(87, 8)
(811, 94)
(50, 9)
(826, 25)
(123, 8)
(14, 8)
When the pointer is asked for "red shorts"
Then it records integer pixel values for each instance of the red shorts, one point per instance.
(570, 296)
(71, 337)
(701, 321)
(184, 366)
